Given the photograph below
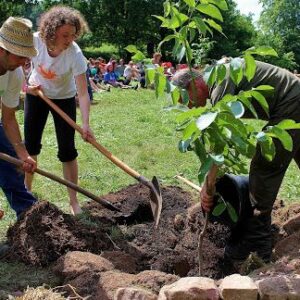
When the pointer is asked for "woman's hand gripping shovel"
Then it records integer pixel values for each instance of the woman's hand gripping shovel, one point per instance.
(67, 183)
(155, 192)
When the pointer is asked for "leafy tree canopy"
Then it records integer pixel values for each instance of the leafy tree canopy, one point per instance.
(280, 29)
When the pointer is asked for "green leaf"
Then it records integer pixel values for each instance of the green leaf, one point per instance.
(261, 100)
(220, 3)
(205, 167)
(131, 49)
(167, 39)
(235, 125)
(150, 74)
(189, 52)
(284, 137)
(214, 25)
(232, 213)
(180, 53)
(138, 56)
(161, 19)
(190, 3)
(248, 104)
(210, 10)
(236, 71)
(167, 8)
(177, 108)
(266, 145)
(219, 209)
(288, 124)
(250, 66)
(212, 76)
(194, 112)
(263, 50)
(175, 94)
(236, 108)
(160, 84)
(185, 96)
(221, 73)
(205, 120)
(264, 88)
(181, 18)
(192, 34)
(189, 131)
(200, 25)
(200, 150)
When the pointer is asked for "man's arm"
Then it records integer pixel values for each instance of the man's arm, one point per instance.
(12, 132)
(208, 190)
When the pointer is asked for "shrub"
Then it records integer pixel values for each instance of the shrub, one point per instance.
(106, 51)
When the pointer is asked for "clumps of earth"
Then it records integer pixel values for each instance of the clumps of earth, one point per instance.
(128, 239)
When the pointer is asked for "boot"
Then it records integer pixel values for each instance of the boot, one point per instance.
(255, 238)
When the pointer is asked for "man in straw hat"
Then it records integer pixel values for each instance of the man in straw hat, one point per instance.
(16, 47)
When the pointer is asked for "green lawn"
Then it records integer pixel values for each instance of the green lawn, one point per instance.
(136, 129)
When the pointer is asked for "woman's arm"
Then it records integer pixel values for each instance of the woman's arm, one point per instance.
(84, 104)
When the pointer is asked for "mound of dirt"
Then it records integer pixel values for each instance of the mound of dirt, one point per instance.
(45, 233)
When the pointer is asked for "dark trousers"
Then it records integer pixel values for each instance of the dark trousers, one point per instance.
(12, 180)
(36, 114)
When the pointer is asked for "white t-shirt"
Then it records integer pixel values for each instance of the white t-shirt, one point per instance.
(10, 87)
(56, 74)
(127, 71)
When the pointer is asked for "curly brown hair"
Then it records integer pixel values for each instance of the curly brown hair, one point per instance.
(58, 16)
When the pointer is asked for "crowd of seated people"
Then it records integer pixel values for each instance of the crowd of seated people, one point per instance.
(102, 75)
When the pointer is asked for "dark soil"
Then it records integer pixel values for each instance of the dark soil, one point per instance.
(44, 233)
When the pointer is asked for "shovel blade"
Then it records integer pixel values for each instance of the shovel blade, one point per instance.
(155, 200)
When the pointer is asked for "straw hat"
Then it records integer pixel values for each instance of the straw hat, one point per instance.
(16, 37)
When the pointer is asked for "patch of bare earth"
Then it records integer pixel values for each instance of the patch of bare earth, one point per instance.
(127, 239)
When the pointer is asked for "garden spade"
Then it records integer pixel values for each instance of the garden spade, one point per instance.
(67, 183)
(155, 192)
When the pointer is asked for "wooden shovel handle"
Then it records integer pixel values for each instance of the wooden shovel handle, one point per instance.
(67, 183)
(191, 184)
(98, 146)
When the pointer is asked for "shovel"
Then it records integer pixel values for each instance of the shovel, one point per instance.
(67, 183)
(155, 192)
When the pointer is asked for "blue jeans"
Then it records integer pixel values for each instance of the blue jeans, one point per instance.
(12, 181)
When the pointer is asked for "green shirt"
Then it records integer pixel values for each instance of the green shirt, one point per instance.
(284, 103)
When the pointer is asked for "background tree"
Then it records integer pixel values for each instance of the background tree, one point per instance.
(280, 29)
(239, 30)
(15, 8)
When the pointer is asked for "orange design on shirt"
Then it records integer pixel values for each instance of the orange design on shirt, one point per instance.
(48, 74)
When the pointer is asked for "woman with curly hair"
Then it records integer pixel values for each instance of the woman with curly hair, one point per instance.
(59, 70)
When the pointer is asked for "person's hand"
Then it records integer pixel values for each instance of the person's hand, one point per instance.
(87, 133)
(29, 164)
(33, 89)
(207, 197)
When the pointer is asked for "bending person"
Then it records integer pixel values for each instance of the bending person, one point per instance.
(265, 178)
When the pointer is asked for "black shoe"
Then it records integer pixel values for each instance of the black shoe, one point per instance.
(136, 87)
(237, 251)
(241, 250)
(4, 250)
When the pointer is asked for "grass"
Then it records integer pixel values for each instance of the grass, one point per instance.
(136, 129)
